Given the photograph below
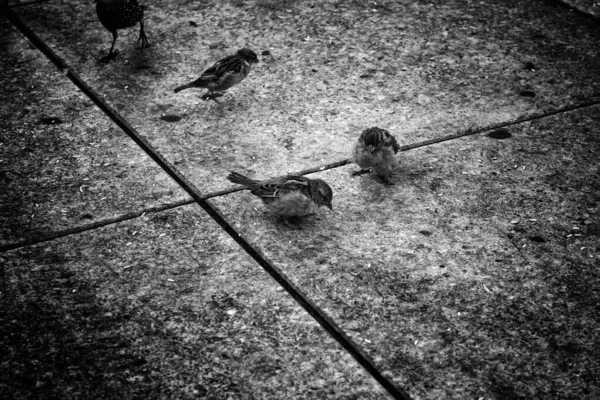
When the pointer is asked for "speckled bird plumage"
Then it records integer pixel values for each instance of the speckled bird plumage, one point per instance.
(120, 14)
(289, 196)
(377, 149)
(224, 74)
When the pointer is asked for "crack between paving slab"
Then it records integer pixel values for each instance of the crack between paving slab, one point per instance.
(125, 217)
(321, 317)
(110, 221)
(336, 164)
(93, 225)
(468, 132)
(575, 9)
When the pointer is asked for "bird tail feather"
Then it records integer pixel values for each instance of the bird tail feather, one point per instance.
(241, 179)
(180, 88)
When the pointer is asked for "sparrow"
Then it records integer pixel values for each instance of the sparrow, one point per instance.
(288, 196)
(120, 14)
(224, 74)
(376, 149)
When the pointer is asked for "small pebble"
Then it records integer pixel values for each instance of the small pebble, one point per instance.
(538, 239)
(500, 134)
(170, 118)
(51, 121)
(527, 93)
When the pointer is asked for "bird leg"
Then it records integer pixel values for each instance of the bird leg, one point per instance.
(386, 179)
(289, 224)
(143, 37)
(111, 54)
(361, 172)
(212, 96)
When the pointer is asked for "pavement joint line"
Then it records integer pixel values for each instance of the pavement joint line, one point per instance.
(319, 315)
(133, 214)
(492, 127)
(93, 225)
(577, 10)
(336, 164)
(115, 220)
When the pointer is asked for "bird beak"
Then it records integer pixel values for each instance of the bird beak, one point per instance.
(329, 205)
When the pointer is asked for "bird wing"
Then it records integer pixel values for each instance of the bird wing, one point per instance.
(393, 143)
(228, 65)
(379, 139)
(276, 187)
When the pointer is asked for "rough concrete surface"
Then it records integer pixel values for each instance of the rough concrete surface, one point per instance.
(163, 307)
(63, 163)
(472, 275)
(421, 272)
(334, 67)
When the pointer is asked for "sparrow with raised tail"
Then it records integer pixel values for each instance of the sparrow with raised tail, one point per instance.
(224, 74)
(376, 149)
(288, 196)
(120, 14)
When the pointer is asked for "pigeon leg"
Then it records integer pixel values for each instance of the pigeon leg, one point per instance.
(111, 54)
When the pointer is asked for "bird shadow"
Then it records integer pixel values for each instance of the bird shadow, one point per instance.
(407, 173)
(229, 105)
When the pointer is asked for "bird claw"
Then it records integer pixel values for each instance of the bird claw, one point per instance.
(211, 96)
(361, 172)
(111, 56)
(290, 225)
(144, 40)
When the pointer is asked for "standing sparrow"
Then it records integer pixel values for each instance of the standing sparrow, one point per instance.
(376, 149)
(120, 14)
(224, 74)
(288, 196)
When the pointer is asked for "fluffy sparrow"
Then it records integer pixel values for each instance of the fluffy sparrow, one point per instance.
(376, 149)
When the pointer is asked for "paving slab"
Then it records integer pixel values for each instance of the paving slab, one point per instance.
(455, 279)
(63, 164)
(163, 306)
(475, 275)
(419, 69)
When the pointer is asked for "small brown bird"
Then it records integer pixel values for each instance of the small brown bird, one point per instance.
(224, 74)
(289, 196)
(376, 149)
(120, 14)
